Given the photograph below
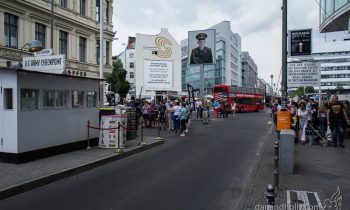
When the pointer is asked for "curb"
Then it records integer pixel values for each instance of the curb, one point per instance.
(45, 180)
(249, 186)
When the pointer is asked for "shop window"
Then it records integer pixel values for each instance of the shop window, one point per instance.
(91, 99)
(29, 99)
(60, 99)
(77, 99)
(8, 98)
(49, 99)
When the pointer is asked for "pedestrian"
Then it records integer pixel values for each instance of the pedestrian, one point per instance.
(171, 111)
(182, 117)
(233, 107)
(177, 109)
(161, 110)
(336, 118)
(304, 117)
(198, 105)
(205, 112)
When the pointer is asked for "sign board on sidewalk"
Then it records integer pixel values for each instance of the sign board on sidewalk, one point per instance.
(109, 136)
(48, 64)
(303, 74)
(299, 42)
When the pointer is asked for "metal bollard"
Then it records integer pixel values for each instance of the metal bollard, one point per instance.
(88, 136)
(276, 170)
(142, 143)
(270, 195)
(158, 131)
(119, 150)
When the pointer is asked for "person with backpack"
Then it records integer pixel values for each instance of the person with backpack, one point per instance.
(161, 114)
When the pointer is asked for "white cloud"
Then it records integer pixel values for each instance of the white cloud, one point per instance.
(258, 23)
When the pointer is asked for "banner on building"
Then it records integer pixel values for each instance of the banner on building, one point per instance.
(158, 75)
(304, 74)
(190, 96)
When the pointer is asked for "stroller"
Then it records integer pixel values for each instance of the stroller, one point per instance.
(317, 136)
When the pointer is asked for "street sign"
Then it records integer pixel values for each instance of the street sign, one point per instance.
(303, 74)
(299, 42)
(48, 64)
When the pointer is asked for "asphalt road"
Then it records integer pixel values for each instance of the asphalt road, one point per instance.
(211, 169)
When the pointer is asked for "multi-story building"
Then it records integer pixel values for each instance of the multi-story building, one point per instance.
(128, 59)
(227, 69)
(249, 71)
(335, 64)
(75, 32)
(334, 15)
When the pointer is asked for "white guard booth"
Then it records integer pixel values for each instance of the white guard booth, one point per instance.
(43, 114)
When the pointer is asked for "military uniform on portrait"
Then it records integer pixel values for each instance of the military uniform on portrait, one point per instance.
(201, 54)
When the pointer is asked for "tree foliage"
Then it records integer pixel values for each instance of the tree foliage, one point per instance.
(298, 92)
(339, 87)
(118, 81)
(310, 90)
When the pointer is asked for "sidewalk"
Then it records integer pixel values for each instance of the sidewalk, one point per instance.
(19, 178)
(317, 169)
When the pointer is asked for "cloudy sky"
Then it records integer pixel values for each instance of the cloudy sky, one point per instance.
(258, 22)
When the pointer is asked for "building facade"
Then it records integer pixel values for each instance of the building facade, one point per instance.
(75, 32)
(157, 65)
(127, 57)
(335, 64)
(227, 69)
(334, 15)
(249, 71)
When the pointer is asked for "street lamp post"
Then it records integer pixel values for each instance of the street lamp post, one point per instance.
(33, 46)
(284, 53)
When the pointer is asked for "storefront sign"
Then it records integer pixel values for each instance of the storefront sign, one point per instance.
(48, 64)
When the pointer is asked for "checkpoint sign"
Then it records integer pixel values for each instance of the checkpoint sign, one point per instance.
(300, 42)
(304, 74)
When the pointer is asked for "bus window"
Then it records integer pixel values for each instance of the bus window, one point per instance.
(220, 89)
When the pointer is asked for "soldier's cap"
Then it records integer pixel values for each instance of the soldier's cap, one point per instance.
(201, 36)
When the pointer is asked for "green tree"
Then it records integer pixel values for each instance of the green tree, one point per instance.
(339, 86)
(118, 81)
(310, 90)
(298, 92)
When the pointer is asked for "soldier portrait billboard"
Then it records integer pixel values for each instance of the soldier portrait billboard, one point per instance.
(201, 47)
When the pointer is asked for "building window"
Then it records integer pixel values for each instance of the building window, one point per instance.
(63, 43)
(131, 65)
(98, 51)
(82, 7)
(63, 3)
(107, 11)
(40, 33)
(82, 49)
(107, 53)
(131, 75)
(49, 99)
(131, 55)
(77, 99)
(60, 99)
(8, 98)
(98, 10)
(29, 99)
(11, 30)
(91, 99)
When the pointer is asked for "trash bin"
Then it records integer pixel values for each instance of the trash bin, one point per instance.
(283, 119)
(105, 111)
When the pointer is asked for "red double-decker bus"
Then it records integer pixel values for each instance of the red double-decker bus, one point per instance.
(247, 99)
